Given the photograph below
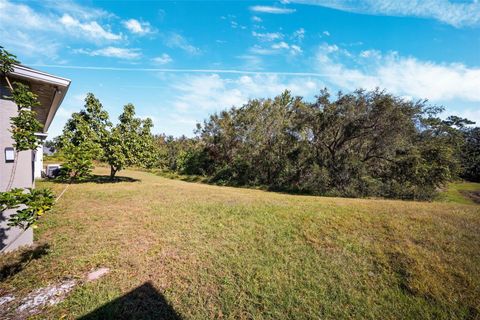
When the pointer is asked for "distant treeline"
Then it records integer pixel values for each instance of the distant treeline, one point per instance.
(367, 143)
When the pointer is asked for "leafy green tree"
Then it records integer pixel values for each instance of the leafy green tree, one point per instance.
(470, 160)
(366, 143)
(129, 143)
(78, 162)
(82, 139)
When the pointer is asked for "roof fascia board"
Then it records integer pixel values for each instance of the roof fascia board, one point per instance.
(22, 71)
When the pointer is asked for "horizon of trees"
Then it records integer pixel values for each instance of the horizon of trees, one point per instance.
(365, 143)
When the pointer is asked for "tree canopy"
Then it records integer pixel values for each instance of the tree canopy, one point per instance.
(89, 135)
(365, 143)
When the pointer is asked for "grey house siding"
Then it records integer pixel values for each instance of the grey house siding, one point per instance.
(50, 90)
(23, 175)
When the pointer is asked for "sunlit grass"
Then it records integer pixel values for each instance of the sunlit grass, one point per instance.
(221, 252)
(460, 192)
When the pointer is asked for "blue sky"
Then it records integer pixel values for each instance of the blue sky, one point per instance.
(178, 62)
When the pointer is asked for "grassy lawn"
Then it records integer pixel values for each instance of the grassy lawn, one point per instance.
(217, 252)
(461, 192)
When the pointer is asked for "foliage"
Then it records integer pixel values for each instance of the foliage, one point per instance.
(25, 124)
(30, 204)
(77, 162)
(358, 144)
(7, 60)
(130, 143)
(89, 135)
(80, 142)
(471, 155)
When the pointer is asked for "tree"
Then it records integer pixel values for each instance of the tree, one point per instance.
(470, 159)
(82, 139)
(365, 143)
(129, 143)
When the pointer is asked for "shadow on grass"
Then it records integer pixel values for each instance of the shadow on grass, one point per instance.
(144, 302)
(27, 256)
(472, 195)
(220, 183)
(97, 179)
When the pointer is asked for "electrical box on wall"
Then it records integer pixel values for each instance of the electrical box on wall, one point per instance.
(9, 154)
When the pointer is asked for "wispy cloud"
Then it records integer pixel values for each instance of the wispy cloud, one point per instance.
(138, 27)
(73, 22)
(268, 36)
(276, 48)
(91, 29)
(12, 13)
(455, 13)
(406, 76)
(214, 92)
(272, 10)
(80, 11)
(299, 34)
(113, 52)
(162, 59)
(175, 40)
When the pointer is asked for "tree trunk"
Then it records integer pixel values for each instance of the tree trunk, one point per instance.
(112, 173)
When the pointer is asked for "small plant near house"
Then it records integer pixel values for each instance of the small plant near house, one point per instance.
(35, 203)
(23, 129)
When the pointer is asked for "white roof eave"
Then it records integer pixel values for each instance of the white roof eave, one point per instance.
(62, 85)
(40, 76)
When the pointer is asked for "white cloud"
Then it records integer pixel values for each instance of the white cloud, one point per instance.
(77, 10)
(276, 48)
(11, 14)
(406, 76)
(455, 13)
(251, 62)
(272, 10)
(162, 59)
(280, 45)
(268, 36)
(91, 29)
(138, 27)
(256, 19)
(175, 40)
(326, 33)
(113, 52)
(299, 34)
(23, 29)
(209, 93)
(17, 41)
(295, 49)
(256, 49)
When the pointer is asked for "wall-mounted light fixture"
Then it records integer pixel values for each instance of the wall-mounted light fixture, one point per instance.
(9, 154)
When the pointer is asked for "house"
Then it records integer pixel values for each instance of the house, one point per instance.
(50, 90)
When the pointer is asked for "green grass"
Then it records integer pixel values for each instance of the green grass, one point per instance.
(231, 253)
(460, 192)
